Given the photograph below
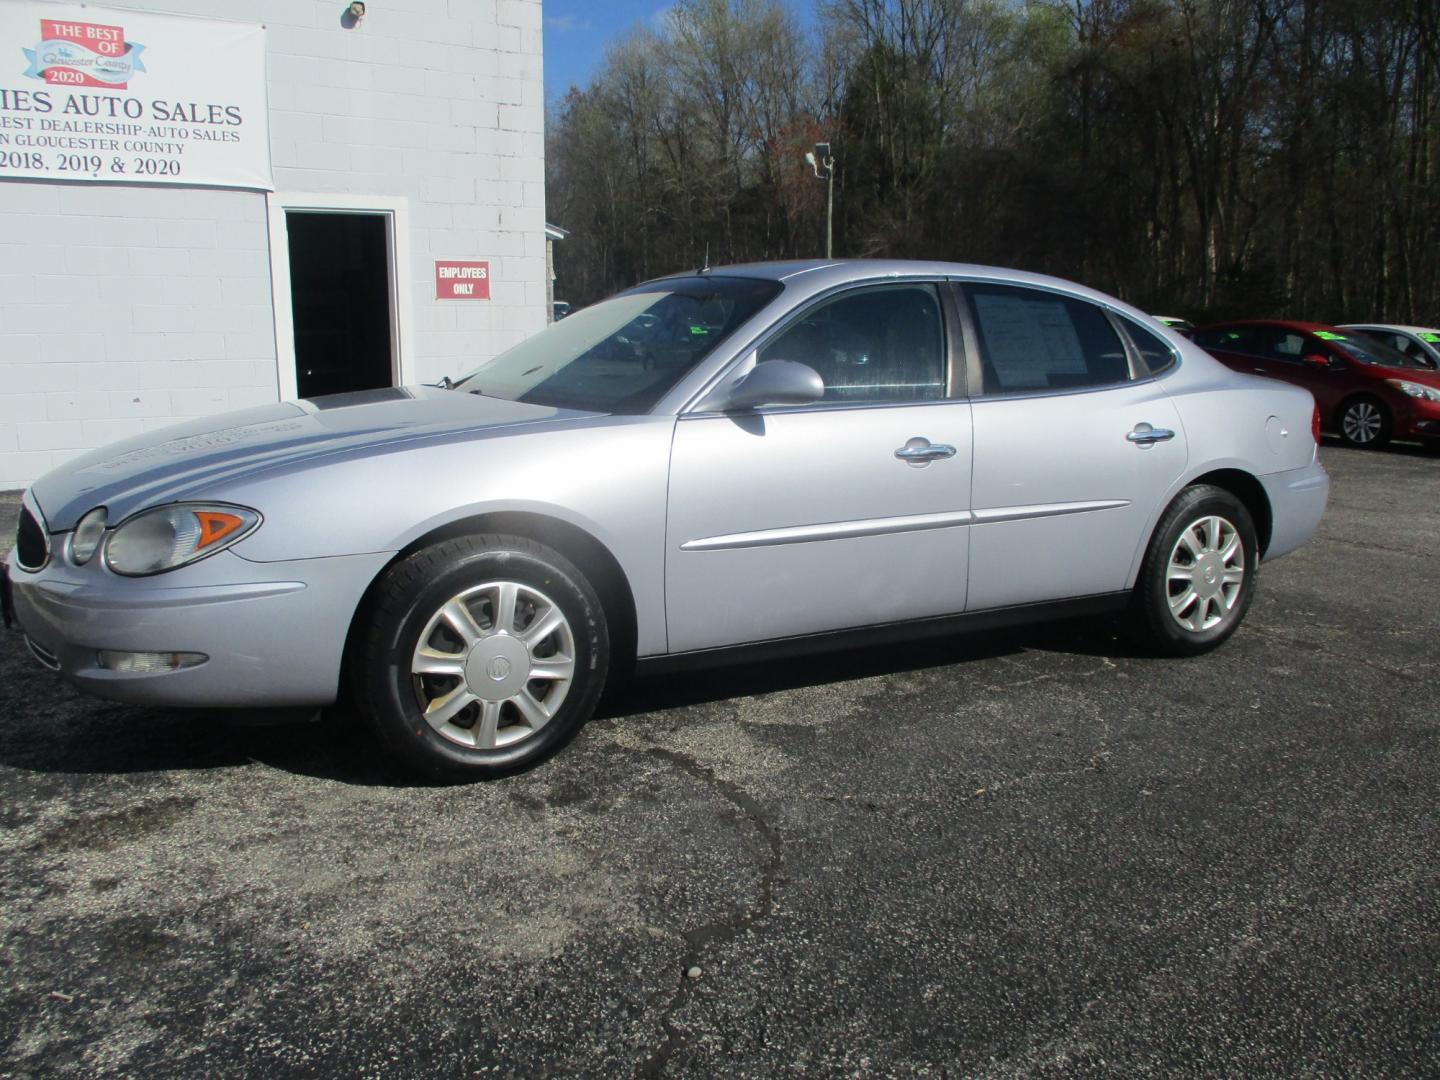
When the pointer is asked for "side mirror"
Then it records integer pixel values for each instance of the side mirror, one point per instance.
(1316, 360)
(774, 382)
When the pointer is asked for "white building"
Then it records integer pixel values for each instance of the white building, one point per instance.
(328, 203)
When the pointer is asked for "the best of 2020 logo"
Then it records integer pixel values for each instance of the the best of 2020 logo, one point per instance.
(84, 54)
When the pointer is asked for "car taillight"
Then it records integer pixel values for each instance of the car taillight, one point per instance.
(1315, 425)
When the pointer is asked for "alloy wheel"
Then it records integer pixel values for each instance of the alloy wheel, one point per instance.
(493, 665)
(1206, 573)
(1362, 423)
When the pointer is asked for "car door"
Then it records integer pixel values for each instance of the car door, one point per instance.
(1076, 445)
(847, 512)
(1330, 384)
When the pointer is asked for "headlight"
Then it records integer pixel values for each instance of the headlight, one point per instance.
(1415, 389)
(154, 541)
(86, 537)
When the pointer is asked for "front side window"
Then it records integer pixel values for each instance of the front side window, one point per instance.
(1282, 344)
(871, 345)
(1032, 340)
(1386, 337)
(1407, 345)
(624, 354)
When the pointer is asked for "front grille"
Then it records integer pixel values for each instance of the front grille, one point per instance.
(32, 545)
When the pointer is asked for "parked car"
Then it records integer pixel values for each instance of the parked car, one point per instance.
(1417, 342)
(1367, 392)
(559, 309)
(830, 453)
(1181, 326)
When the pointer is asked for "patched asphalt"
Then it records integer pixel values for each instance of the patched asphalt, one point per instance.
(1022, 854)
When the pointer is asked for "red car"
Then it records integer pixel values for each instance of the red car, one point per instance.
(1367, 393)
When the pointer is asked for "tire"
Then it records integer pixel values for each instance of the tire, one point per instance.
(1190, 556)
(1365, 422)
(483, 656)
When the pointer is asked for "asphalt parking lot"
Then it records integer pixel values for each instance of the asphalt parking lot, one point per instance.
(1029, 854)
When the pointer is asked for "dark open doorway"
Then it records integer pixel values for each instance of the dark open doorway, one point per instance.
(340, 297)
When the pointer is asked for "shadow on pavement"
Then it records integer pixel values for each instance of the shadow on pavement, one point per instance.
(73, 734)
(1398, 449)
(1094, 636)
(92, 736)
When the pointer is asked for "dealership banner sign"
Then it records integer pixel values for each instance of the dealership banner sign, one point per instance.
(93, 95)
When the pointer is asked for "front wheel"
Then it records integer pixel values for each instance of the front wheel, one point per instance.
(1198, 577)
(1365, 422)
(484, 655)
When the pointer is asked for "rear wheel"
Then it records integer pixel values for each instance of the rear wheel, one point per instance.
(1365, 422)
(484, 656)
(1198, 577)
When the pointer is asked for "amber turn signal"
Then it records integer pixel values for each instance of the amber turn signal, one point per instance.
(216, 526)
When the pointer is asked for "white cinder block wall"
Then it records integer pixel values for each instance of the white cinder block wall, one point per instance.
(125, 307)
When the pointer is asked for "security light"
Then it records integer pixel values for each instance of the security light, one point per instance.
(817, 159)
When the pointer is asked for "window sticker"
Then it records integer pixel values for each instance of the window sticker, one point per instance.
(1327, 335)
(1028, 340)
(1433, 339)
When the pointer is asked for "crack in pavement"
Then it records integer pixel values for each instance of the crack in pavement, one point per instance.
(1289, 639)
(1106, 664)
(712, 934)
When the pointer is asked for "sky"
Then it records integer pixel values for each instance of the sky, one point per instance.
(577, 31)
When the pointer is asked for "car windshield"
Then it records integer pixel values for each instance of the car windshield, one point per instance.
(1369, 351)
(623, 354)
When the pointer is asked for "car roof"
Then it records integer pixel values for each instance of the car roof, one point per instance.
(819, 274)
(1401, 327)
(1289, 324)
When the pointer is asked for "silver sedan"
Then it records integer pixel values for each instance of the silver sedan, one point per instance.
(715, 465)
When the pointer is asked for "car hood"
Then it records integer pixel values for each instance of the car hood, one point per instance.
(1425, 377)
(190, 459)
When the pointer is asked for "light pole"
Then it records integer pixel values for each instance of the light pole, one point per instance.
(821, 158)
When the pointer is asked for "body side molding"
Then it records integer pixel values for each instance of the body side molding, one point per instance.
(845, 530)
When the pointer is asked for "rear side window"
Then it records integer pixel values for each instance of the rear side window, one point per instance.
(1032, 340)
(1239, 339)
(1154, 350)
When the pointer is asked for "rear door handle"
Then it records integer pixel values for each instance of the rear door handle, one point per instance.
(921, 451)
(1145, 435)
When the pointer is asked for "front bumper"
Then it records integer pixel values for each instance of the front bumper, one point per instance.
(1420, 420)
(273, 633)
(1297, 502)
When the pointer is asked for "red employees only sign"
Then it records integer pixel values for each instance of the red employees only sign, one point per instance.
(462, 280)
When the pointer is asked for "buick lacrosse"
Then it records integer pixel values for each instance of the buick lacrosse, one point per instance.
(709, 466)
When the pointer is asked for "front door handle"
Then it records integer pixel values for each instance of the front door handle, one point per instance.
(1145, 435)
(921, 451)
